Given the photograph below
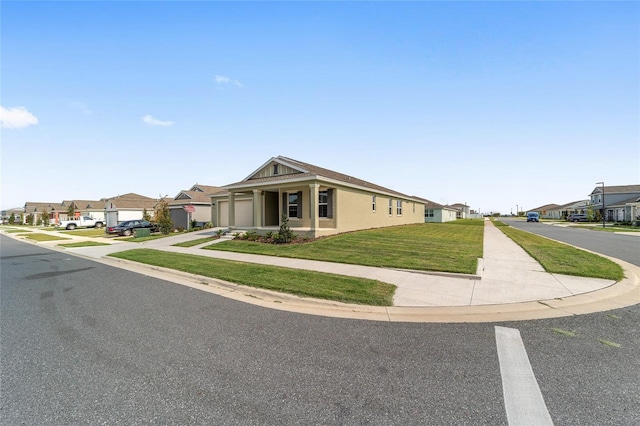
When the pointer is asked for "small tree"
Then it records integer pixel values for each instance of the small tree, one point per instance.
(285, 235)
(30, 219)
(163, 217)
(12, 219)
(145, 215)
(45, 217)
(71, 211)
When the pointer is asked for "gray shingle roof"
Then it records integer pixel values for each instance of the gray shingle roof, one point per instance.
(311, 171)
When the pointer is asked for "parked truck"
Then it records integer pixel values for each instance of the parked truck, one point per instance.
(82, 221)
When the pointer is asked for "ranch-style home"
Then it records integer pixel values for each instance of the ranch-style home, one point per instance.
(317, 201)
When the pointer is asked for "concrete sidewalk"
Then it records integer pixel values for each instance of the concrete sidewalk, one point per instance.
(506, 275)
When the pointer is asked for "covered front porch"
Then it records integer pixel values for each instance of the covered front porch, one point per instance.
(308, 208)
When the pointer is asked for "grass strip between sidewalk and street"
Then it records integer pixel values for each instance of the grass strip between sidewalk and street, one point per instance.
(83, 244)
(446, 247)
(42, 237)
(559, 258)
(286, 280)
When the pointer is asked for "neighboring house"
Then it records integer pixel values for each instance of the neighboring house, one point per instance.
(463, 210)
(15, 212)
(317, 201)
(613, 196)
(127, 207)
(625, 211)
(574, 207)
(548, 211)
(54, 211)
(92, 208)
(435, 212)
(193, 204)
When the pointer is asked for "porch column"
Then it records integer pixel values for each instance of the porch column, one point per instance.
(314, 190)
(257, 208)
(232, 210)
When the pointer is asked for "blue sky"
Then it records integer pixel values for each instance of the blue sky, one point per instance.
(495, 104)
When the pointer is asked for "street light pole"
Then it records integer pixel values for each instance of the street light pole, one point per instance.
(602, 183)
(517, 214)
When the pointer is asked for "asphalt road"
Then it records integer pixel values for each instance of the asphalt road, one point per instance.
(620, 246)
(84, 343)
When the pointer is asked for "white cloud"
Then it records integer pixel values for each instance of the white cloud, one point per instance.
(16, 118)
(155, 122)
(221, 79)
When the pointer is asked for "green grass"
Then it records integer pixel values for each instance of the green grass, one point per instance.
(83, 244)
(86, 232)
(449, 247)
(196, 242)
(299, 282)
(15, 231)
(561, 258)
(42, 237)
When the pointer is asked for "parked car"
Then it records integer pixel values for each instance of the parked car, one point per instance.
(577, 218)
(533, 217)
(126, 228)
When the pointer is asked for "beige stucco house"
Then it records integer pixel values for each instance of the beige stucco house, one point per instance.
(317, 201)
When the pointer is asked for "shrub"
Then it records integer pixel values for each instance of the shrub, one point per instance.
(285, 235)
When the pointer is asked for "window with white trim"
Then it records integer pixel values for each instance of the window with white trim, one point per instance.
(390, 206)
(323, 204)
(399, 207)
(373, 203)
(428, 213)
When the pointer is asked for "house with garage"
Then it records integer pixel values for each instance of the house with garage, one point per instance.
(128, 207)
(191, 205)
(439, 213)
(316, 201)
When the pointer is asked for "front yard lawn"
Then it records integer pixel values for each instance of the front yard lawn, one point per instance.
(286, 280)
(448, 247)
(85, 232)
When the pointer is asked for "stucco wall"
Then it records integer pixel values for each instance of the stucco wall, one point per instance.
(355, 211)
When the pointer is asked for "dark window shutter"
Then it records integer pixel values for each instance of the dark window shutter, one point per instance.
(330, 203)
(285, 199)
(299, 204)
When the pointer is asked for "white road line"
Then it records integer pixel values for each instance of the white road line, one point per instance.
(522, 397)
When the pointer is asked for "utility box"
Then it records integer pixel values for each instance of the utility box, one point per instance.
(141, 232)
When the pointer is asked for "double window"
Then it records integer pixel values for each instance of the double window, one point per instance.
(428, 213)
